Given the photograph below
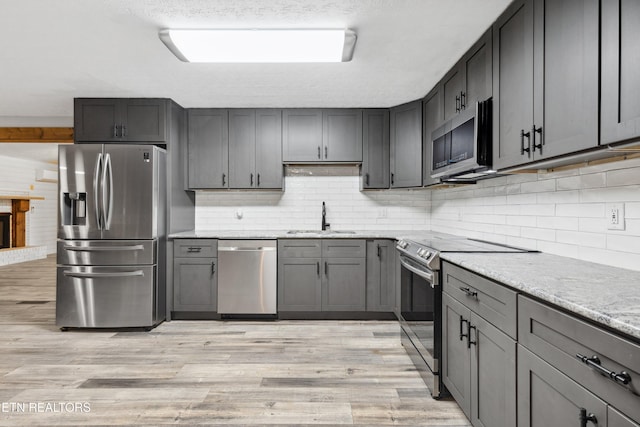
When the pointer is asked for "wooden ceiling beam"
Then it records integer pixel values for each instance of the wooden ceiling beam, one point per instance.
(36, 134)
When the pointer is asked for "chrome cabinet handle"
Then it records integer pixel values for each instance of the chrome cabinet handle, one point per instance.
(469, 292)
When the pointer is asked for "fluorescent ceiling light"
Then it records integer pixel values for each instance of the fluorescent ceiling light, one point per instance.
(300, 45)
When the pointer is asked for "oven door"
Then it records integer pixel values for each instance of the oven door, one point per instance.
(420, 309)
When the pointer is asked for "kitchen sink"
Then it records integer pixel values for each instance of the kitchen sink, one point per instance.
(320, 232)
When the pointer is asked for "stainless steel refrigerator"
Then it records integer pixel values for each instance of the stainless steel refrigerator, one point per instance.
(111, 236)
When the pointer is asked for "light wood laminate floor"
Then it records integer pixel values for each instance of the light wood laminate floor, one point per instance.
(202, 372)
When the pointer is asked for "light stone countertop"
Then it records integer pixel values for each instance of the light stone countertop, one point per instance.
(606, 295)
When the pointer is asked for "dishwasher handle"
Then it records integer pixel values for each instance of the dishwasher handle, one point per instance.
(245, 249)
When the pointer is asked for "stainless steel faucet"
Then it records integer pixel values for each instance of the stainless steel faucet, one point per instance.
(325, 224)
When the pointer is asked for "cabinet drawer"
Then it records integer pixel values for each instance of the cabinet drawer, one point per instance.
(340, 248)
(490, 300)
(299, 248)
(558, 337)
(195, 248)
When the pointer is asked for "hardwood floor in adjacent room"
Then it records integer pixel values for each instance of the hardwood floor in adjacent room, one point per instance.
(202, 372)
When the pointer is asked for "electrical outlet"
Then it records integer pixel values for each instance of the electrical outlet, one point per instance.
(615, 216)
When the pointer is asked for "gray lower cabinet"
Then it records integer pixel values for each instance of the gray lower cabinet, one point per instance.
(208, 146)
(406, 145)
(195, 275)
(105, 120)
(321, 275)
(579, 350)
(381, 275)
(478, 355)
(540, 109)
(375, 149)
(255, 149)
(547, 397)
(620, 111)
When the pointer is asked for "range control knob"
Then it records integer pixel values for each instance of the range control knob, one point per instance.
(402, 244)
(425, 254)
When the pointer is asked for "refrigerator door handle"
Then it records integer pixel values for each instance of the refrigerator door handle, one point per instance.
(107, 195)
(103, 248)
(81, 275)
(96, 186)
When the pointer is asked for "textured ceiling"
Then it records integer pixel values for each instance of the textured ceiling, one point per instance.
(55, 50)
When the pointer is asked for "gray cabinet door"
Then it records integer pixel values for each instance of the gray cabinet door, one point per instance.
(381, 275)
(96, 120)
(342, 135)
(546, 397)
(268, 153)
(299, 284)
(208, 143)
(375, 149)
(493, 376)
(512, 84)
(344, 284)
(433, 117)
(302, 135)
(406, 145)
(566, 73)
(452, 92)
(456, 360)
(242, 148)
(617, 419)
(195, 284)
(620, 111)
(144, 120)
(478, 71)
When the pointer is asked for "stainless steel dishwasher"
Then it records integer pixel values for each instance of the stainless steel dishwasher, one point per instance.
(247, 277)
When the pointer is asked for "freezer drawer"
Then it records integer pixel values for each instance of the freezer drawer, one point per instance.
(106, 252)
(106, 297)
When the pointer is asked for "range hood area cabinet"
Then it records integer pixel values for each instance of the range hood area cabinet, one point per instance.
(470, 80)
(322, 135)
(546, 55)
(117, 120)
(235, 148)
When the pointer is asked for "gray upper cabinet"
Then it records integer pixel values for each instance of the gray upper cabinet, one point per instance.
(375, 149)
(302, 135)
(255, 149)
(381, 275)
(542, 110)
(406, 145)
(470, 80)
(208, 148)
(620, 112)
(314, 135)
(342, 135)
(433, 117)
(106, 120)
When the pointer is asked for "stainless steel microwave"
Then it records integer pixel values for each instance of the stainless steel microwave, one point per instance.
(461, 147)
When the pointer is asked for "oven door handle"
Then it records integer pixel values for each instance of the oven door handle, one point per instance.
(424, 274)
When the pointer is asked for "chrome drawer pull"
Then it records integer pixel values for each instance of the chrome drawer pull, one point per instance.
(469, 292)
(594, 362)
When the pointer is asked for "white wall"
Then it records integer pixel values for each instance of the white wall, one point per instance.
(562, 213)
(16, 177)
(300, 207)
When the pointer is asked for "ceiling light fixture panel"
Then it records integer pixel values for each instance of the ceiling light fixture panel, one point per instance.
(260, 45)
